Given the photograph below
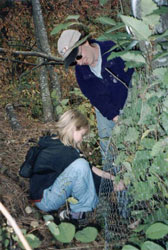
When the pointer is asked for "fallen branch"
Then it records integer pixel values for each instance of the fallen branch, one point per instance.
(12, 117)
(15, 227)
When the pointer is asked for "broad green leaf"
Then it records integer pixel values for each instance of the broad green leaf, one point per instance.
(159, 165)
(33, 241)
(106, 20)
(149, 245)
(159, 146)
(86, 235)
(142, 155)
(140, 29)
(133, 56)
(129, 247)
(59, 110)
(116, 27)
(48, 218)
(64, 102)
(53, 228)
(157, 231)
(67, 232)
(145, 113)
(76, 17)
(62, 26)
(102, 2)
(147, 7)
(147, 143)
(164, 119)
(132, 135)
(152, 20)
(143, 191)
(160, 73)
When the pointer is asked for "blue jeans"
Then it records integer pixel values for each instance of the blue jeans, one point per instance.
(105, 127)
(75, 181)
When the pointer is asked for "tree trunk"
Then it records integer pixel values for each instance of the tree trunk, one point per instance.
(45, 94)
(43, 46)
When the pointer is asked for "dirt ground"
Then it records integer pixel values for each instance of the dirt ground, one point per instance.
(14, 189)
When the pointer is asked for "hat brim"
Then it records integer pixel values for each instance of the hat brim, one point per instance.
(70, 58)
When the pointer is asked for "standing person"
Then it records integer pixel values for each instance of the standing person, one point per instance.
(105, 83)
(60, 172)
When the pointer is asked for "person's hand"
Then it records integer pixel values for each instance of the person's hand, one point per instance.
(119, 186)
(115, 119)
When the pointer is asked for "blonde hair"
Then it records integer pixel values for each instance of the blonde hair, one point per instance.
(68, 122)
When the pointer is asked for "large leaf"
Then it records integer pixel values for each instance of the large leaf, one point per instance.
(62, 26)
(86, 235)
(67, 232)
(147, 7)
(140, 29)
(33, 241)
(133, 56)
(76, 17)
(145, 113)
(106, 20)
(152, 20)
(157, 231)
(143, 191)
(132, 135)
(129, 247)
(149, 245)
(159, 146)
(53, 228)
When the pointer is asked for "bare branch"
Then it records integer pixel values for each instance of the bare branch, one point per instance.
(58, 60)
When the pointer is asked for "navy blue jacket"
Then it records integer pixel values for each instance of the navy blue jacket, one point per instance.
(108, 95)
(50, 163)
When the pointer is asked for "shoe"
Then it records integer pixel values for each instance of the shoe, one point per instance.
(64, 215)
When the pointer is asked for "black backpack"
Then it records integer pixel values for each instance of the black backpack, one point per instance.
(26, 169)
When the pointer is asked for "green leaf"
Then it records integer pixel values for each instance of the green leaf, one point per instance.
(86, 235)
(106, 20)
(129, 247)
(149, 245)
(48, 218)
(164, 119)
(143, 191)
(116, 27)
(132, 135)
(147, 7)
(133, 56)
(158, 147)
(145, 113)
(160, 73)
(53, 228)
(157, 231)
(33, 241)
(72, 17)
(140, 29)
(102, 2)
(62, 26)
(152, 20)
(67, 232)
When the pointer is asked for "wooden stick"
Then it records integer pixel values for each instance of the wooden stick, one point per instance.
(15, 227)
